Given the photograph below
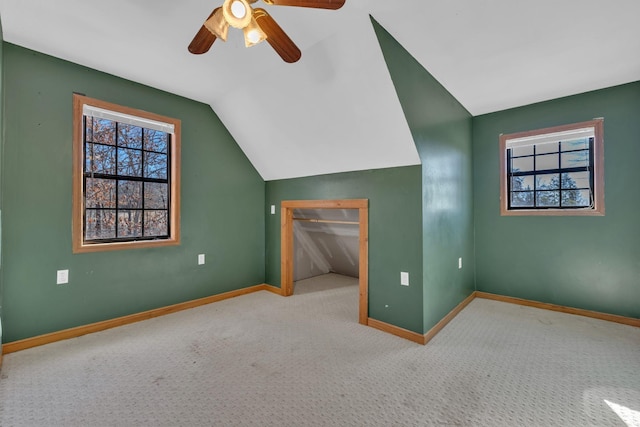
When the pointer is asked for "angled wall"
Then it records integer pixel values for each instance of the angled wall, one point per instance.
(221, 211)
(441, 129)
(394, 234)
(591, 263)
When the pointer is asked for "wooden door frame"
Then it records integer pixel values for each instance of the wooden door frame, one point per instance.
(286, 248)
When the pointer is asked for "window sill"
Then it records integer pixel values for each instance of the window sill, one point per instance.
(552, 212)
(116, 246)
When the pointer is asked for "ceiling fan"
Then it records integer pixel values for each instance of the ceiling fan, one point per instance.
(256, 24)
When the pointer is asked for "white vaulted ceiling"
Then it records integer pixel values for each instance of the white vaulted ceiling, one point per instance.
(336, 109)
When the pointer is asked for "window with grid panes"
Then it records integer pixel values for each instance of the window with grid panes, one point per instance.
(554, 171)
(125, 191)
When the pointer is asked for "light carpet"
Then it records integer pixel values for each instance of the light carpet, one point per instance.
(265, 360)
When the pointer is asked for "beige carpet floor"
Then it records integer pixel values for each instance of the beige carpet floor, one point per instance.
(264, 360)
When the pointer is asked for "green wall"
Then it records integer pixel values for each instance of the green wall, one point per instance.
(441, 129)
(221, 215)
(585, 262)
(395, 242)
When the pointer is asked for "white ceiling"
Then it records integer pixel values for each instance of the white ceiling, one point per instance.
(336, 109)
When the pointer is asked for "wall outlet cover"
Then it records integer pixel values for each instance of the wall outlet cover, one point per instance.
(200, 259)
(404, 278)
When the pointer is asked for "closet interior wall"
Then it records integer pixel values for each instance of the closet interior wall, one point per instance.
(325, 241)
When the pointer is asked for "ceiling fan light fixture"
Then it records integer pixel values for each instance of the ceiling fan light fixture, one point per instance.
(253, 34)
(238, 10)
(218, 25)
(237, 13)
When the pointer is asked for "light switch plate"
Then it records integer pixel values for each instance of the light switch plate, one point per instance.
(404, 278)
(273, 209)
(62, 277)
(201, 259)
(459, 263)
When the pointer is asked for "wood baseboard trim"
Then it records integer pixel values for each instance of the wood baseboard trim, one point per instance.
(396, 330)
(377, 324)
(448, 318)
(273, 289)
(420, 338)
(125, 320)
(560, 308)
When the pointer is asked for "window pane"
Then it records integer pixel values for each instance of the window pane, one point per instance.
(88, 129)
(576, 144)
(156, 223)
(522, 151)
(576, 198)
(575, 159)
(130, 223)
(523, 164)
(129, 195)
(129, 162)
(100, 224)
(549, 181)
(548, 199)
(519, 183)
(551, 147)
(129, 136)
(100, 159)
(100, 193)
(547, 161)
(522, 199)
(100, 130)
(155, 165)
(576, 180)
(156, 195)
(155, 140)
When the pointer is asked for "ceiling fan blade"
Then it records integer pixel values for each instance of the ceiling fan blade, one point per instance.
(277, 38)
(203, 40)
(318, 4)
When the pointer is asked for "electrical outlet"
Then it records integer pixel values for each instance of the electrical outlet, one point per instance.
(460, 263)
(201, 259)
(404, 278)
(273, 209)
(62, 277)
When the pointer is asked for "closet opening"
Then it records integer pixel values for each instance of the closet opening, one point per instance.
(323, 237)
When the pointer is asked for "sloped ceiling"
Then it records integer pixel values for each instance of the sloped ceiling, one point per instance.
(336, 109)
